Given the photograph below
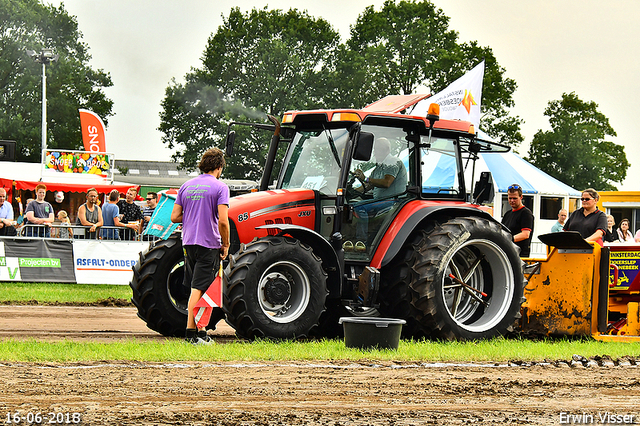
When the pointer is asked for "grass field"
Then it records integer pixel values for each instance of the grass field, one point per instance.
(72, 294)
(171, 350)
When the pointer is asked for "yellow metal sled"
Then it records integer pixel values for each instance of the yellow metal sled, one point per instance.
(576, 290)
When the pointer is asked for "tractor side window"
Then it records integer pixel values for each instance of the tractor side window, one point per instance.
(439, 167)
(315, 160)
(391, 156)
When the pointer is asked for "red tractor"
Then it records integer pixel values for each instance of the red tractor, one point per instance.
(320, 245)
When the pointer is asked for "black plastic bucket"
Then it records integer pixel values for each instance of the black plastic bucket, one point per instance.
(371, 333)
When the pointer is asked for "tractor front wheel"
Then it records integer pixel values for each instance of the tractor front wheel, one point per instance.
(276, 289)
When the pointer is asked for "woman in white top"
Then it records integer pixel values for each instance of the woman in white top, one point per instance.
(624, 235)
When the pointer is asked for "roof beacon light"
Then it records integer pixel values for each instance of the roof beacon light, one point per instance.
(433, 113)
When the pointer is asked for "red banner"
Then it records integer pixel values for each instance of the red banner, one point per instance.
(93, 136)
(74, 187)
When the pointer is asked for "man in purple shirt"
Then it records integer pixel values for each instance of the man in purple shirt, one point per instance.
(202, 205)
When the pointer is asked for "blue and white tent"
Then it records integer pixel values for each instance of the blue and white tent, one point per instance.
(508, 168)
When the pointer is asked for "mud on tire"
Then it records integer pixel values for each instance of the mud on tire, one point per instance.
(276, 289)
(481, 253)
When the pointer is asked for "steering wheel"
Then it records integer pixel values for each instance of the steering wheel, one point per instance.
(352, 193)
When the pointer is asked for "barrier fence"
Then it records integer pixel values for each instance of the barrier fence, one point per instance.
(69, 260)
(81, 232)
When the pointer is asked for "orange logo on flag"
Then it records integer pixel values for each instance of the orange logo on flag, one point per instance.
(467, 101)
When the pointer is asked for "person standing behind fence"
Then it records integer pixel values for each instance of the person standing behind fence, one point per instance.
(64, 231)
(39, 212)
(202, 205)
(147, 212)
(90, 214)
(6, 216)
(130, 213)
(110, 213)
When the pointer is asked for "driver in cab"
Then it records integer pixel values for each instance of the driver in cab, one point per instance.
(388, 178)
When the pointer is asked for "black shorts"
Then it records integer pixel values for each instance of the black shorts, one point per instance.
(200, 266)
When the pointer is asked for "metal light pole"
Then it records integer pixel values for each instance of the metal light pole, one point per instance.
(44, 57)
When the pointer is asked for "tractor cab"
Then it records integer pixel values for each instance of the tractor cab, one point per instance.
(366, 165)
(364, 173)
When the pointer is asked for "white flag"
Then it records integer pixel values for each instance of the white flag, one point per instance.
(460, 100)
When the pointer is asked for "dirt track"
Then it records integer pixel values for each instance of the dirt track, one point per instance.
(324, 393)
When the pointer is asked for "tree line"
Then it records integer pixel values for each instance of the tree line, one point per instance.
(268, 61)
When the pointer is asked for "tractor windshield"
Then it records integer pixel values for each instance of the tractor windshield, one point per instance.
(315, 160)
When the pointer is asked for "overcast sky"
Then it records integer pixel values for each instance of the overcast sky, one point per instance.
(548, 47)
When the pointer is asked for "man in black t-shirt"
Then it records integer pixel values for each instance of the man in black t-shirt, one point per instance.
(519, 220)
(130, 213)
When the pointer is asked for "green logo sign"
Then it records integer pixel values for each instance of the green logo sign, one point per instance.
(26, 262)
(3, 261)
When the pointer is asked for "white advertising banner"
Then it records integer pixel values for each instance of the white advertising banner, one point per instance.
(460, 100)
(98, 262)
(9, 266)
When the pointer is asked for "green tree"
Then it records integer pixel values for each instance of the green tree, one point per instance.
(408, 45)
(71, 83)
(257, 63)
(270, 61)
(575, 150)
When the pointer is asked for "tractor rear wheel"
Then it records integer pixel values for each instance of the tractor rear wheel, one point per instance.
(276, 289)
(467, 280)
(158, 289)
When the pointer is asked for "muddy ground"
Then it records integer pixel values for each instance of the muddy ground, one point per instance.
(323, 393)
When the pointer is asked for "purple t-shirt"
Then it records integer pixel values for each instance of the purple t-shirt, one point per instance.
(199, 199)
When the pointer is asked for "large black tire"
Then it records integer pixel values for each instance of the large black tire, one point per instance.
(276, 289)
(395, 291)
(481, 253)
(158, 289)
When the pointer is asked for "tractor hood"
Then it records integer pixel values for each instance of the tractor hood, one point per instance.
(279, 206)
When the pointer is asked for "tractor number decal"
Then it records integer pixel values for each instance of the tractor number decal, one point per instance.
(280, 208)
(243, 216)
(305, 213)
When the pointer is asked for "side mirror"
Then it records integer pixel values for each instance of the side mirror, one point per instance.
(364, 146)
(483, 191)
(228, 147)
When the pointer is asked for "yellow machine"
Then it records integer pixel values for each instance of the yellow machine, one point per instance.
(583, 289)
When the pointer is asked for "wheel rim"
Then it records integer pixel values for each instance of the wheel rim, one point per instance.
(178, 293)
(485, 267)
(283, 292)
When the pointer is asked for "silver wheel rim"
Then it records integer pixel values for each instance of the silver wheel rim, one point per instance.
(473, 262)
(294, 278)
